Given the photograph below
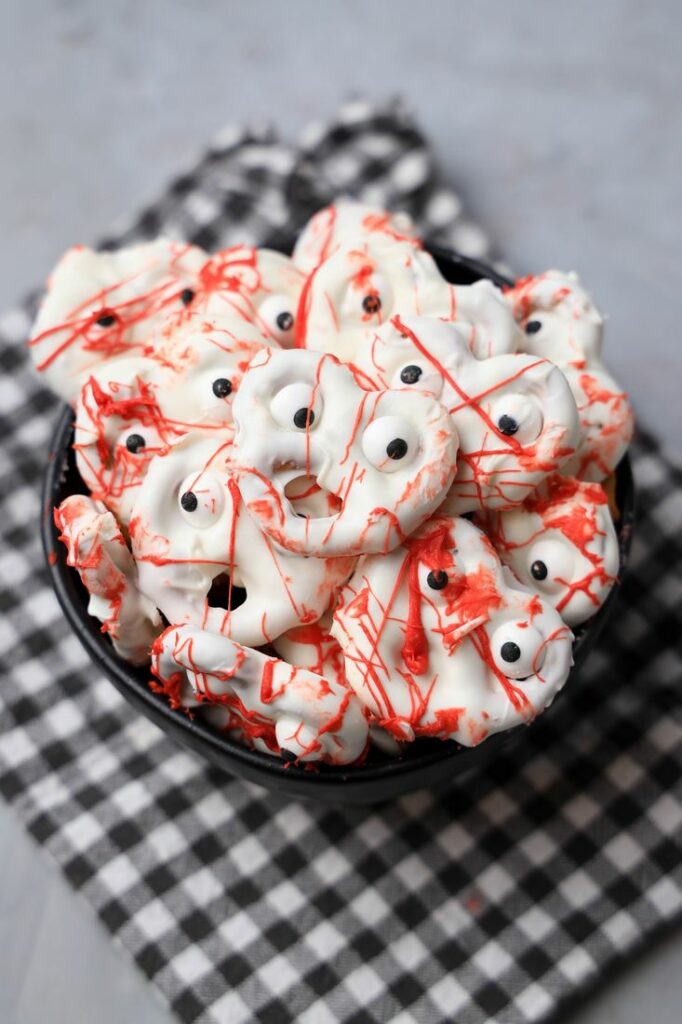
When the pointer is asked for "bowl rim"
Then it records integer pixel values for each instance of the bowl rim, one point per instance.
(384, 776)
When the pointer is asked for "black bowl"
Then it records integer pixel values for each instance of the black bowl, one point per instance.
(426, 762)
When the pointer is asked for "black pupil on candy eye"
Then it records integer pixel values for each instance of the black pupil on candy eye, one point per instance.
(510, 651)
(222, 387)
(284, 321)
(507, 425)
(134, 442)
(538, 570)
(410, 374)
(437, 579)
(186, 296)
(304, 418)
(106, 320)
(397, 448)
(189, 501)
(371, 303)
(533, 326)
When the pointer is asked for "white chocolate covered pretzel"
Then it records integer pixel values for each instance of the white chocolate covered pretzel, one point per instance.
(559, 319)
(514, 414)
(347, 220)
(562, 543)
(315, 649)
(260, 286)
(276, 707)
(209, 355)
(119, 428)
(198, 549)
(131, 409)
(606, 423)
(439, 641)
(98, 552)
(388, 457)
(361, 286)
(561, 322)
(105, 304)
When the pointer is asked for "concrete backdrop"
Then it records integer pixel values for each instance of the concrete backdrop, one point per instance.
(559, 124)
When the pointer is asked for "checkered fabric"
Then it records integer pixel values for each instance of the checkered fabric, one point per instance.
(500, 899)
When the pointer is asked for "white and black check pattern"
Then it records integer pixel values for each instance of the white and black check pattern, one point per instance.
(501, 899)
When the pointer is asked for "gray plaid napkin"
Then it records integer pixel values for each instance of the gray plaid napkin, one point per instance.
(500, 899)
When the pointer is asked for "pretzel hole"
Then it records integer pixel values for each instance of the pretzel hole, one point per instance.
(310, 500)
(222, 595)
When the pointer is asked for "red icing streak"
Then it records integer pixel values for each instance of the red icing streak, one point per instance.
(415, 651)
(303, 312)
(266, 690)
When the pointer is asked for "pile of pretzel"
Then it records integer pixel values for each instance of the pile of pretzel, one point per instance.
(334, 500)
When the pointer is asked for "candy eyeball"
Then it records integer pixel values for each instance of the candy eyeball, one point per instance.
(421, 375)
(535, 325)
(518, 416)
(141, 439)
(297, 407)
(101, 321)
(278, 313)
(435, 582)
(368, 298)
(517, 651)
(222, 387)
(390, 443)
(201, 499)
(411, 374)
(551, 564)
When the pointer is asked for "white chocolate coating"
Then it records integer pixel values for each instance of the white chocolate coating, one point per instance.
(105, 304)
(562, 544)
(561, 322)
(389, 457)
(472, 656)
(362, 285)
(98, 552)
(183, 549)
(344, 221)
(514, 414)
(260, 286)
(276, 707)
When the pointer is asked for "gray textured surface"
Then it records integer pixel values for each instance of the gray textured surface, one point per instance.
(561, 126)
